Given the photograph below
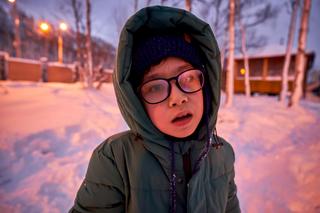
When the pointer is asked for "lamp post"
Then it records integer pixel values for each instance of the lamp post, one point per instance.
(62, 27)
(45, 29)
(17, 40)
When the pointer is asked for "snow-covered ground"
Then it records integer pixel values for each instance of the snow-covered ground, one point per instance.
(48, 131)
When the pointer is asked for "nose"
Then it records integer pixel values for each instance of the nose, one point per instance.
(177, 97)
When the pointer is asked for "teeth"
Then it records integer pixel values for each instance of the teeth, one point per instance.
(184, 115)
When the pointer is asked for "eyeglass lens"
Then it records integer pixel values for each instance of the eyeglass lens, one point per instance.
(156, 91)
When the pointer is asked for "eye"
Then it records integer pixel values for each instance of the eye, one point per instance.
(155, 88)
(188, 78)
(191, 81)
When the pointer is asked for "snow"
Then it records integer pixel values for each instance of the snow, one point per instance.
(62, 65)
(267, 78)
(23, 60)
(271, 50)
(277, 154)
(49, 130)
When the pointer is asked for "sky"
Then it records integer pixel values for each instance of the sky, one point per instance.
(108, 17)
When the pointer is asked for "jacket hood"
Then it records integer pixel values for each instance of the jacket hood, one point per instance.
(160, 18)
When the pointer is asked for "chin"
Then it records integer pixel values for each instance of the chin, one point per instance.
(182, 134)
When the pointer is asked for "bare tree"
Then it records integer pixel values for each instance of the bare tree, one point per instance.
(230, 68)
(120, 14)
(285, 69)
(244, 51)
(76, 6)
(218, 13)
(219, 10)
(256, 12)
(223, 50)
(75, 9)
(148, 3)
(89, 72)
(300, 65)
(246, 61)
(135, 5)
(188, 5)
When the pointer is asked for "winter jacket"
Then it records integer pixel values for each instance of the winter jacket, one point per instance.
(130, 171)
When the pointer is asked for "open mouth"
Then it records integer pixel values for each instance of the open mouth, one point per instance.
(183, 118)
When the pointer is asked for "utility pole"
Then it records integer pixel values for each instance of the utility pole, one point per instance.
(16, 19)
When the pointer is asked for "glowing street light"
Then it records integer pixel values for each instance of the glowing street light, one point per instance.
(63, 27)
(44, 27)
(11, 1)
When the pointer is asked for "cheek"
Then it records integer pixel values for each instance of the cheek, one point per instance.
(156, 113)
(197, 100)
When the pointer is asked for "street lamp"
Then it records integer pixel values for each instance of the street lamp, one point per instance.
(62, 27)
(45, 29)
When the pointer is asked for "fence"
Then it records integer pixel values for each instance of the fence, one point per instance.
(18, 69)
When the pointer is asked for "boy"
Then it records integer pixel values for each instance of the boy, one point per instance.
(167, 83)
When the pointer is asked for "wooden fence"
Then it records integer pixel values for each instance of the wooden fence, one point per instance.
(19, 69)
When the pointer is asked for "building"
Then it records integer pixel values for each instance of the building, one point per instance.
(265, 73)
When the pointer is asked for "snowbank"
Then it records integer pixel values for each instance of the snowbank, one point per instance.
(48, 131)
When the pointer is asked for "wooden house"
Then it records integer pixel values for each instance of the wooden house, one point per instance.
(265, 73)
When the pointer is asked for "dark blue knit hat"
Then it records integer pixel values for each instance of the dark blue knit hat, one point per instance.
(152, 49)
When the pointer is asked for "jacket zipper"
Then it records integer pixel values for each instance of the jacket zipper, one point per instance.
(187, 173)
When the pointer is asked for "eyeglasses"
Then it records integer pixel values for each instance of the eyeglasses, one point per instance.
(157, 90)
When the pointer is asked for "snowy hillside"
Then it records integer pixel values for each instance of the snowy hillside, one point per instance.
(48, 131)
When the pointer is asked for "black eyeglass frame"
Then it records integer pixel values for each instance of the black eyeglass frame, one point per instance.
(168, 80)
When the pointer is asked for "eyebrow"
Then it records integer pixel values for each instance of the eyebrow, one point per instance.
(158, 75)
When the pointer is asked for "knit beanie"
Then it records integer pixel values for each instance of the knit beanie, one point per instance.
(149, 50)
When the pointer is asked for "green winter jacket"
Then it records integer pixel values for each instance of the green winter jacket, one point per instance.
(130, 171)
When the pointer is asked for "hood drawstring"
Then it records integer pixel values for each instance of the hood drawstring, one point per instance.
(204, 153)
(217, 143)
(209, 135)
(173, 190)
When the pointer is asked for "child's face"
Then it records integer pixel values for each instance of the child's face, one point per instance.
(179, 114)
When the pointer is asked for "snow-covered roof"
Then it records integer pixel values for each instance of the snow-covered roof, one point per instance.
(23, 60)
(268, 51)
(57, 64)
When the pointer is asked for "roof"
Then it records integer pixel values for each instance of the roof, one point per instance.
(269, 51)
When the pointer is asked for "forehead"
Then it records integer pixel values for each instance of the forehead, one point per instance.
(167, 68)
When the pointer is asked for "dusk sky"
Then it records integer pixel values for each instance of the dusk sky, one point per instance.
(109, 15)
